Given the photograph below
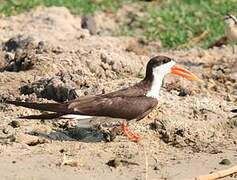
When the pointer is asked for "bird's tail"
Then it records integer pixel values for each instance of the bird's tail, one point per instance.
(43, 116)
(53, 107)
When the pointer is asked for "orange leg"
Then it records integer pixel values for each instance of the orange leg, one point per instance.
(131, 135)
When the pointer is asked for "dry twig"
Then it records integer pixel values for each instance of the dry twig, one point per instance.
(146, 160)
(218, 174)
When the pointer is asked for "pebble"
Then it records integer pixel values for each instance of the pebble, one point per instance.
(118, 162)
(43, 129)
(15, 124)
(72, 163)
(182, 93)
(8, 130)
(225, 162)
(29, 139)
(156, 168)
(88, 22)
(114, 162)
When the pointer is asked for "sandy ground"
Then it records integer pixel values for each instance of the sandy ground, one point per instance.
(45, 54)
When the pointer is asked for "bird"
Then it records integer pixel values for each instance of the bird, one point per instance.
(131, 103)
(230, 32)
(231, 28)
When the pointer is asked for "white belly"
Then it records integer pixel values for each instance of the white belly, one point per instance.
(76, 117)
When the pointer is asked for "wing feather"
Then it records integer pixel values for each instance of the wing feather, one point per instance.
(116, 107)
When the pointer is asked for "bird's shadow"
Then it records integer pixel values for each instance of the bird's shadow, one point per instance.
(81, 134)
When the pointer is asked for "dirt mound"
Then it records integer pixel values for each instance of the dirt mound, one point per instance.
(19, 53)
(58, 88)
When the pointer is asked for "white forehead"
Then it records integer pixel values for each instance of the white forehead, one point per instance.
(164, 68)
(230, 19)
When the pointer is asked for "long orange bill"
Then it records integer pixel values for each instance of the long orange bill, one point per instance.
(178, 70)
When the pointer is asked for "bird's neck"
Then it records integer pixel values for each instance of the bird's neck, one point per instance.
(155, 87)
(231, 32)
(231, 25)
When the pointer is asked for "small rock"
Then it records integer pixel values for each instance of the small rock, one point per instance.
(41, 47)
(156, 125)
(23, 61)
(59, 88)
(19, 53)
(88, 22)
(15, 124)
(114, 162)
(108, 136)
(43, 129)
(57, 50)
(29, 139)
(9, 56)
(8, 130)
(3, 107)
(235, 122)
(111, 135)
(62, 150)
(228, 98)
(225, 162)
(18, 42)
(182, 93)
(179, 131)
(137, 48)
(156, 168)
(117, 162)
(215, 151)
(72, 163)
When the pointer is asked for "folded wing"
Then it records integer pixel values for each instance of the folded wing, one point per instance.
(115, 107)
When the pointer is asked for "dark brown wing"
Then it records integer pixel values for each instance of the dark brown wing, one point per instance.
(115, 107)
(138, 89)
(53, 107)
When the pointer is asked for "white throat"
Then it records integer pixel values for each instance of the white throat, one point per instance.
(158, 76)
(155, 87)
(230, 21)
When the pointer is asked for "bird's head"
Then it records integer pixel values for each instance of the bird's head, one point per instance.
(230, 19)
(159, 66)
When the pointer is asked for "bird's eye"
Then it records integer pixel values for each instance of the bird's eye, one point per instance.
(226, 17)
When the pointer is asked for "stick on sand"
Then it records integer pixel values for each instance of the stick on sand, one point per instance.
(218, 174)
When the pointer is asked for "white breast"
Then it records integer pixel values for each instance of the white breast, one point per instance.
(231, 32)
(155, 87)
(158, 76)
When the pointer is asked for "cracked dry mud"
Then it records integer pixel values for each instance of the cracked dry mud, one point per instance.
(46, 55)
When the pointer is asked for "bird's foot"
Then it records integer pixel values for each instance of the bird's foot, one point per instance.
(131, 135)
